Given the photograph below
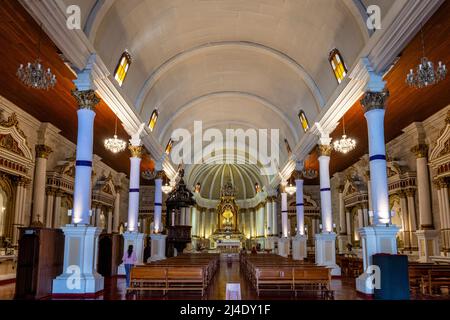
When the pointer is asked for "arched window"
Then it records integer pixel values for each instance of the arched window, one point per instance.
(303, 120)
(338, 65)
(153, 120)
(122, 68)
(169, 146)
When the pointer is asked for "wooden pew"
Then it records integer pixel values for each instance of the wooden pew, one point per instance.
(148, 279)
(186, 279)
(437, 277)
(313, 279)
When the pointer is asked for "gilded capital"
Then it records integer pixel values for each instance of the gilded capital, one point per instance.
(136, 151)
(43, 151)
(441, 183)
(298, 175)
(401, 194)
(160, 175)
(324, 150)
(86, 99)
(410, 192)
(374, 100)
(421, 150)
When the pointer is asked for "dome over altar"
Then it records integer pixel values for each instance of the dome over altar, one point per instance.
(213, 177)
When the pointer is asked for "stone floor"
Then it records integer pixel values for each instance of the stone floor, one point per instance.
(344, 289)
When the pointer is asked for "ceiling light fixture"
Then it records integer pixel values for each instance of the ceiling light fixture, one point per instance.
(34, 75)
(345, 144)
(114, 144)
(426, 75)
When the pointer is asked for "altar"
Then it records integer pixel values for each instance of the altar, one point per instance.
(227, 236)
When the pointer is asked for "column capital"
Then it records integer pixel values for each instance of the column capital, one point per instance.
(410, 193)
(374, 100)
(160, 174)
(341, 189)
(297, 174)
(440, 183)
(43, 151)
(86, 99)
(50, 192)
(136, 151)
(421, 150)
(401, 194)
(324, 150)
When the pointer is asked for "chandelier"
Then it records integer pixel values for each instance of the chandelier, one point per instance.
(426, 74)
(166, 188)
(115, 145)
(290, 188)
(34, 75)
(310, 173)
(345, 144)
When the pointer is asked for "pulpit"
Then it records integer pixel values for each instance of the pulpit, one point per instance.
(178, 204)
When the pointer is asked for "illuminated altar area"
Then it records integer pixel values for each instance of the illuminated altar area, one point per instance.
(227, 236)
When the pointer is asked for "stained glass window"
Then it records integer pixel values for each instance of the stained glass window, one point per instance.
(338, 65)
(153, 120)
(122, 68)
(169, 146)
(303, 120)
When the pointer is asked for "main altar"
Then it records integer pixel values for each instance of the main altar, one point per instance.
(227, 236)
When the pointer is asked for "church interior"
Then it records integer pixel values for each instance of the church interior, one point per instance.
(332, 184)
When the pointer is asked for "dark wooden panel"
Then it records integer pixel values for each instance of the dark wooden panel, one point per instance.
(19, 37)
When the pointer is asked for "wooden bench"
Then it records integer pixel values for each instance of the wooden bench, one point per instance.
(273, 278)
(148, 279)
(436, 278)
(183, 273)
(313, 279)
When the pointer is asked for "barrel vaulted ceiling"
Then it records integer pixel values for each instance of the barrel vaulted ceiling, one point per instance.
(229, 63)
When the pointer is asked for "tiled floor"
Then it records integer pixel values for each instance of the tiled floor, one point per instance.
(344, 289)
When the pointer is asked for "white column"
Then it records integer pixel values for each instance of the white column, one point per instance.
(81, 240)
(360, 218)
(444, 214)
(260, 221)
(269, 219)
(49, 209)
(380, 237)
(342, 237)
(406, 231)
(274, 217)
(57, 210)
(284, 215)
(300, 207)
(83, 172)
(299, 245)
(133, 200)
(98, 218)
(410, 193)
(40, 171)
(325, 190)
(19, 220)
(116, 210)
(110, 218)
(423, 187)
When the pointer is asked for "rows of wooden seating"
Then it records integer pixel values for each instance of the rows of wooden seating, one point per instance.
(273, 273)
(351, 266)
(428, 277)
(190, 272)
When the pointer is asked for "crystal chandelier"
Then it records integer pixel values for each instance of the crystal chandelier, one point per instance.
(345, 144)
(310, 173)
(115, 145)
(166, 188)
(426, 74)
(290, 188)
(34, 75)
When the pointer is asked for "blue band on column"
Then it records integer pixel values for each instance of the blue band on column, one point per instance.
(325, 189)
(83, 163)
(377, 157)
(158, 204)
(134, 190)
(284, 211)
(299, 204)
